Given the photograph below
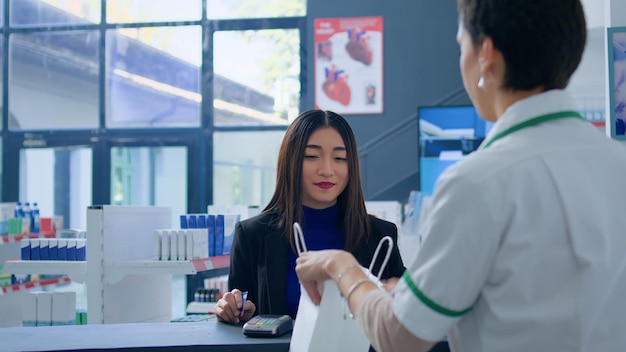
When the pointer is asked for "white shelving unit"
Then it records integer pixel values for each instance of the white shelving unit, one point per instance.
(76, 270)
(124, 284)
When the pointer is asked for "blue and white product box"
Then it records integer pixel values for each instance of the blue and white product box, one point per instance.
(71, 249)
(230, 220)
(219, 234)
(53, 249)
(165, 245)
(192, 221)
(44, 308)
(202, 221)
(34, 249)
(81, 249)
(43, 249)
(62, 248)
(25, 249)
(156, 247)
(29, 309)
(63, 308)
(19, 278)
(180, 237)
(210, 225)
(183, 222)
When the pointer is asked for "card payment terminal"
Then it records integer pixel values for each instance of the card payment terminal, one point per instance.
(268, 325)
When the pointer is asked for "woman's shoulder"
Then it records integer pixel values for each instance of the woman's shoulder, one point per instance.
(382, 224)
(262, 221)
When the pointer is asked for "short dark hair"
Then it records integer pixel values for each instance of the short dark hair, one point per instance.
(542, 41)
(286, 203)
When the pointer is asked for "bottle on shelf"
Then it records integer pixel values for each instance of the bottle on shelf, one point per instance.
(35, 222)
(18, 211)
(26, 211)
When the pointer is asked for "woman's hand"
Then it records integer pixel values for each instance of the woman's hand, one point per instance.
(228, 308)
(318, 266)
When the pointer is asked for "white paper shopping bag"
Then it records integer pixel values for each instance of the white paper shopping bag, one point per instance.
(329, 327)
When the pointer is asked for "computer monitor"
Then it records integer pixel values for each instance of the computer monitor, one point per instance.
(446, 135)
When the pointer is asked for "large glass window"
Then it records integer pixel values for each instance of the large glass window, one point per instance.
(221, 9)
(153, 77)
(128, 11)
(150, 176)
(54, 12)
(59, 180)
(257, 77)
(245, 167)
(53, 80)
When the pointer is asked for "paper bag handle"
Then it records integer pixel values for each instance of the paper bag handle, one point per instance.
(299, 238)
(384, 264)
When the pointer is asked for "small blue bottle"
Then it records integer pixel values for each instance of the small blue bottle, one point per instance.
(18, 210)
(35, 222)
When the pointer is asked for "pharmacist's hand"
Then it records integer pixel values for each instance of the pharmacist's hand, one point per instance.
(228, 308)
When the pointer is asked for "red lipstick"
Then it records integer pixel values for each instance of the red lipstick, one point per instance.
(325, 185)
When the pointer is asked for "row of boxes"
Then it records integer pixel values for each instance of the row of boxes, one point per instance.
(49, 308)
(220, 229)
(71, 249)
(185, 244)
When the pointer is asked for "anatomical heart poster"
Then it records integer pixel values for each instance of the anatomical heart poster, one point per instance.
(349, 65)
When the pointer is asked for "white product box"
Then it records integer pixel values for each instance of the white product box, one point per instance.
(165, 245)
(173, 235)
(63, 308)
(180, 237)
(200, 239)
(29, 309)
(156, 249)
(44, 308)
(188, 244)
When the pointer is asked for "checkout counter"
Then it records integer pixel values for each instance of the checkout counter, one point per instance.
(191, 336)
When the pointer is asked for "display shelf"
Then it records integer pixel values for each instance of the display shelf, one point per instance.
(115, 271)
(35, 284)
(204, 264)
(76, 270)
(5, 239)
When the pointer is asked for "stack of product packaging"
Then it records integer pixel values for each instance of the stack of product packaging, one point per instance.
(70, 249)
(199, 236)
(49, 308)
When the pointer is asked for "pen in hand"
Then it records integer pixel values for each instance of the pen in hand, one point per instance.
(244, 297)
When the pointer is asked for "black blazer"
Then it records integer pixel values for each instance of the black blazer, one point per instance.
(259, 258)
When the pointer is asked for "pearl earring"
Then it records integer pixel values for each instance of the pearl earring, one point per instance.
(481, 83)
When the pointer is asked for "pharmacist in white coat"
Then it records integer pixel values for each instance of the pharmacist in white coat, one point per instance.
(525, 247)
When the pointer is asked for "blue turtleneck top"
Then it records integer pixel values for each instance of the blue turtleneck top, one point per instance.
(321, 231)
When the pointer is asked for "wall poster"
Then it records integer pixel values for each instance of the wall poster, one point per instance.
(349, 64)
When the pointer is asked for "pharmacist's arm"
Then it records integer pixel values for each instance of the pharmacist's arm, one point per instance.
(386, 333)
